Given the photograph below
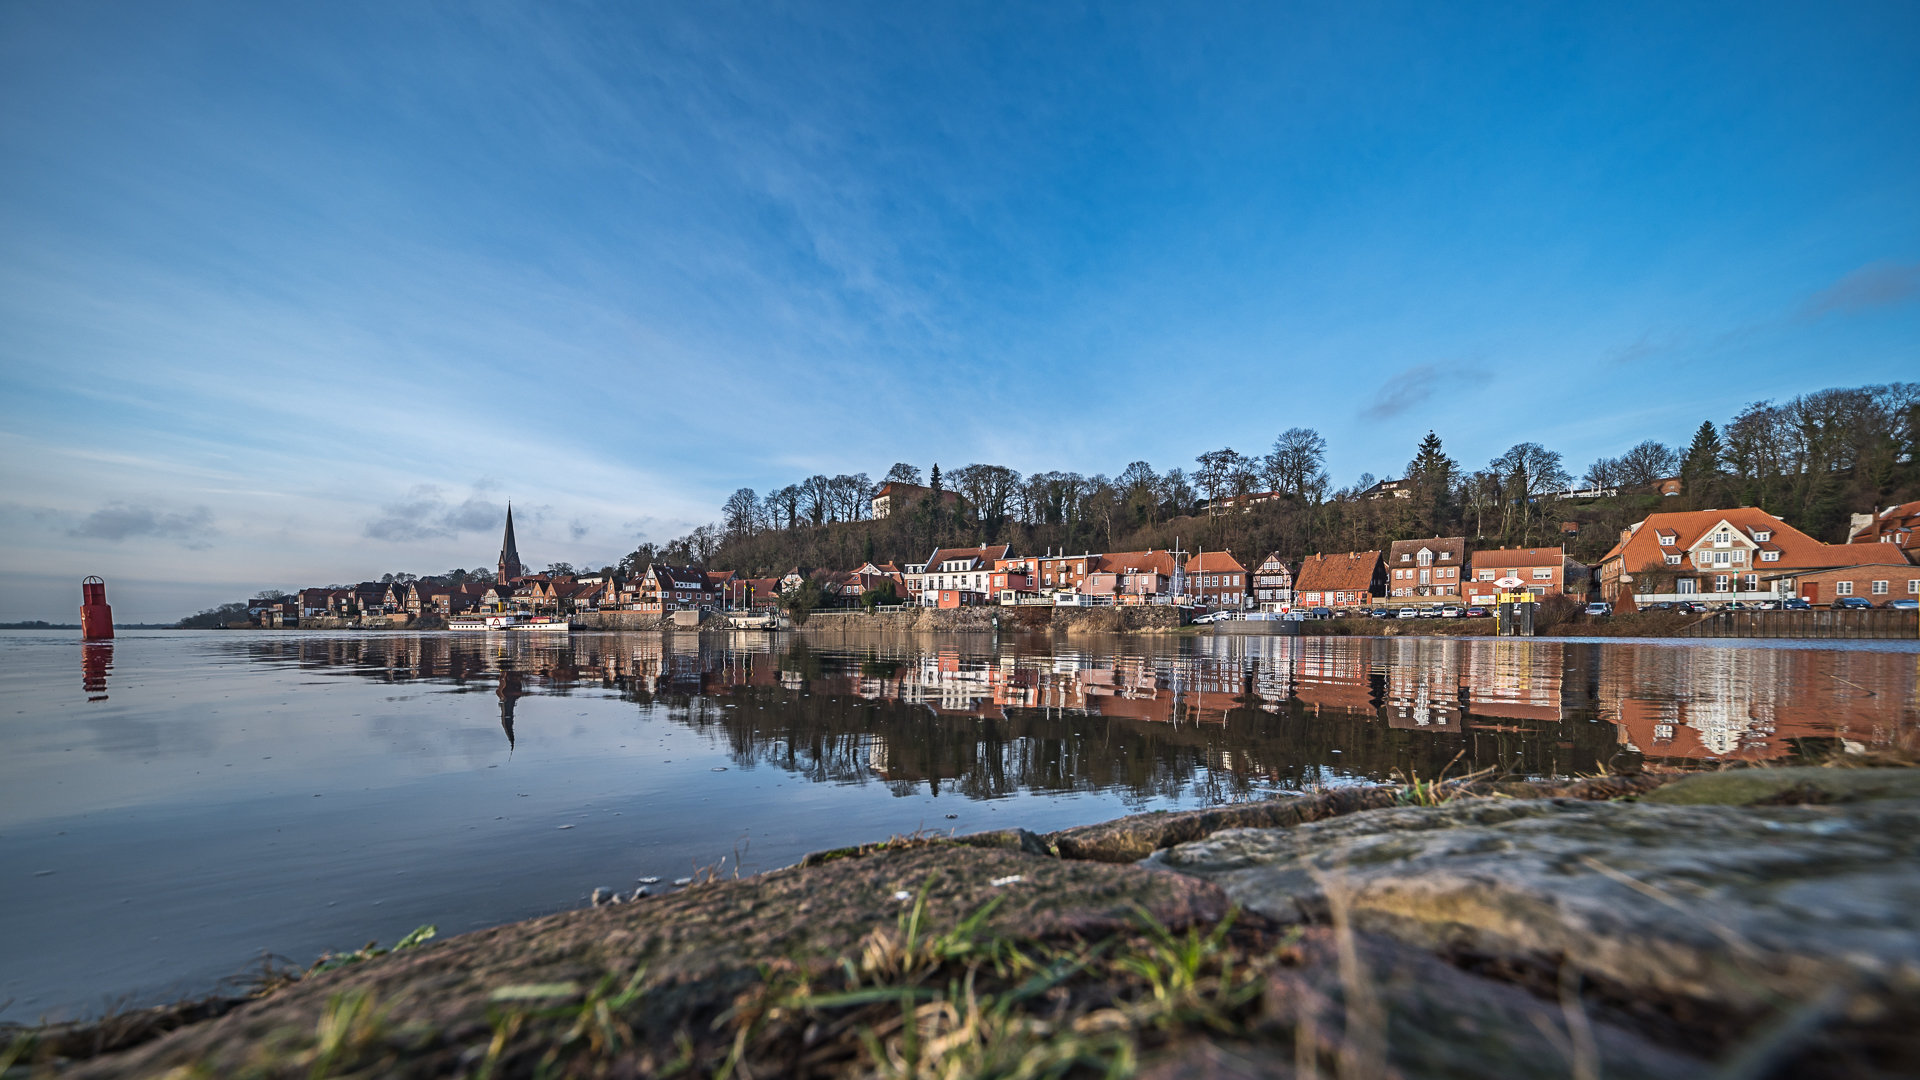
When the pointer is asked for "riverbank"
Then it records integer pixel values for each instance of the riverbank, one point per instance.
(1758, 920)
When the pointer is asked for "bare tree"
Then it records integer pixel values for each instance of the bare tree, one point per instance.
(903, 473)
(1603, 473)
(1527, 471)
(741, 512)
(1218, 473)
(817, 493)
(1647, 463)
(1297, 464)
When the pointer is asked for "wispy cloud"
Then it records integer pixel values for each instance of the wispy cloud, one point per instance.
(119, 521)
(1875, 285)
(425, 515)
(1419, 383)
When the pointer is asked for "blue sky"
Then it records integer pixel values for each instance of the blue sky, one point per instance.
(292, 294)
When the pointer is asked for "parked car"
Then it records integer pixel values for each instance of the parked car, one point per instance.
(1599, 607)
(1210, 617)
(1695, 606)
(1658, 605)
(1408, 612)
(1477, 612)
(1851, 603)
(1796, 604)
(1449, 611)
(1905, 603)
(1766, 605)
(1321, 613)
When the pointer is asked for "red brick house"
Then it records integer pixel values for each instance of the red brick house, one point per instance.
(1015, 579)
(1740, 554)
(1218, 579)
(1896, 525)
(1340, 581)
(1420, 568)
(676, 588)
(1129, 577)
(1546, 571)
(1060, 572)
(1877, 583)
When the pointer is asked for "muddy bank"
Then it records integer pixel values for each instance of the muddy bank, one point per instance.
(1764, 922)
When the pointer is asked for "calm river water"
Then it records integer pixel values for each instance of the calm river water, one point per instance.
(175, 803)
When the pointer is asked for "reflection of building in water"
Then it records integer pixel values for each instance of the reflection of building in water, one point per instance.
(96, 660)
(1516, 679)
(1721, 702)
(1424, 681)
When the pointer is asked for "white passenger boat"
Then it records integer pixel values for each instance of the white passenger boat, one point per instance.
(510, 620)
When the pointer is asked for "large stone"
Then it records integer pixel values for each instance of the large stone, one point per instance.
(1698, 917)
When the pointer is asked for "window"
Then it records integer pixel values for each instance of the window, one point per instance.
(1763, 535)
(1673, 560)
(1769, 556)
(1543, 573)
(1879, 588)
(1483, 575)
(1684, 586)
(1913, 586)
(1751, 582)
(1720, 583)
(1739, 555)
(1843, 588)
(1406, 557)
(1722, 538)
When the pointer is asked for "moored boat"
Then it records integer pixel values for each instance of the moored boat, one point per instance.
(553, 624)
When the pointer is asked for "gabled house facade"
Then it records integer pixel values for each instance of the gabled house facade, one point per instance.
(1543, 571)
(1896, 525)
(1218, 580)
(1131, 577)
(1352, 579)
(1422, 568)
(1741, 554)
(1272, 583)
(675, 588)
(956, 577)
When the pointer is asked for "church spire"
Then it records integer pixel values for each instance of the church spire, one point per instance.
(510, 567)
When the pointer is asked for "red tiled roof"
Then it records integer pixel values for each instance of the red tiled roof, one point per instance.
(1505, 557)
(1797, 549)
(1214, 562)
(1351, 572)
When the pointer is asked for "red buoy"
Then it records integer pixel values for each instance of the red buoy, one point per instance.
(96, 618)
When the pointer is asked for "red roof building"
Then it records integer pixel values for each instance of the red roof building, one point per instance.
(1739, 554)
(1354, 579)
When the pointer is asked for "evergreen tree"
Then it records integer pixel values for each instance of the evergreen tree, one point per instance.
(1701, 466)
(1433, 475)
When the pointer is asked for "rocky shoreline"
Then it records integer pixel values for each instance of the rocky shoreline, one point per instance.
(1751, 923)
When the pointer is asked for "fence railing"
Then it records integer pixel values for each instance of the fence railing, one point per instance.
(1884, 625)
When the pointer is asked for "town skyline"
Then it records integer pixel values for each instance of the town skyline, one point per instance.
(295, 292)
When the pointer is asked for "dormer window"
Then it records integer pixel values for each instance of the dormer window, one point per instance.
(1444, 555)
(1405, 557)
(1667, 539)
(1762, 535)
(1769, 556)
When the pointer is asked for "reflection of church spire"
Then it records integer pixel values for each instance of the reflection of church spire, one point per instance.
(510, 567)
(508, 691)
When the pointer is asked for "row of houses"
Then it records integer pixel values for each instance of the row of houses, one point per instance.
(1739, 554)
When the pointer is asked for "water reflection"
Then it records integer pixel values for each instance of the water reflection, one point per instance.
(1211, 718)
(96, 660)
